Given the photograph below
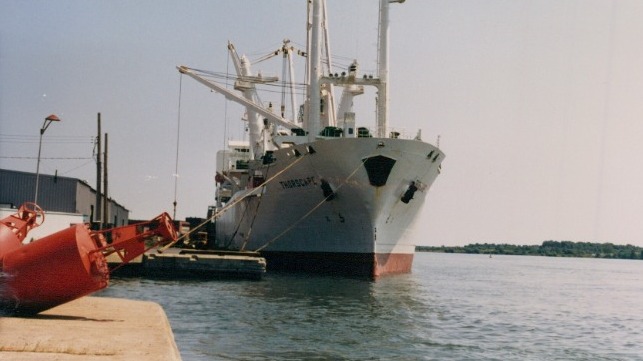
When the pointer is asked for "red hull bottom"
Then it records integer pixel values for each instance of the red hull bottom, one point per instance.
(392, 263)
(341, 264)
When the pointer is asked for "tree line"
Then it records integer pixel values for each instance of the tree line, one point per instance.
(547, 248)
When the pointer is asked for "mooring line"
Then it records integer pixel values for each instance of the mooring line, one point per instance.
(235, 202)
(312, 210)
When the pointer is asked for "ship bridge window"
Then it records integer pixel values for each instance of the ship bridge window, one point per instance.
(363, 133)
(331, 132)
(298, 132)
(242, 164)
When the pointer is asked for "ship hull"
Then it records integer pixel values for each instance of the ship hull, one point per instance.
(340, 263)
(335, 206)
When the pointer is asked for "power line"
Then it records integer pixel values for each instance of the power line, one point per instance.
(49, 136)
(91, 160)
(57, 158)
(27, 138)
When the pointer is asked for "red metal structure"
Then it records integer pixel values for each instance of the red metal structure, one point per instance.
(14, 229)
(67, 264)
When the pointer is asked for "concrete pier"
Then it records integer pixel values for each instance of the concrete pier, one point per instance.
(90, 328)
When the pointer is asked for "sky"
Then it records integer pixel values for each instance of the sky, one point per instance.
(537, 104)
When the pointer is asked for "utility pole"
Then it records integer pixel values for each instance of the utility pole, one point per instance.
(105, 200)
(97, 209)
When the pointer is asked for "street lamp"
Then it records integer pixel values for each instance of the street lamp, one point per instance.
(45, 125)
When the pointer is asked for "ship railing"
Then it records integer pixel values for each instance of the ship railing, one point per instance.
(396, 133)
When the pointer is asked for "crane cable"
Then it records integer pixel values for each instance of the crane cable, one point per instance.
(178, 132)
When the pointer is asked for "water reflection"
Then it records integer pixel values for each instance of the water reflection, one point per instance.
(302, 316)
(451, 307)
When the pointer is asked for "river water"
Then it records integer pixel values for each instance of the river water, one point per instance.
(452, 307)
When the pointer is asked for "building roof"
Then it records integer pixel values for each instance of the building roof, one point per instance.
(84, 183)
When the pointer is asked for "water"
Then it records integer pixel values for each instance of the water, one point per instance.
(452, 307)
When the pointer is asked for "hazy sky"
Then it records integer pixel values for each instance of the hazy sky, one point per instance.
(538, 104)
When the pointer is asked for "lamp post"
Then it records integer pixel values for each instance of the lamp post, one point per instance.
(45, 125)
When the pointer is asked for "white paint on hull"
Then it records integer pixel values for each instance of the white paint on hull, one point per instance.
(291, 215)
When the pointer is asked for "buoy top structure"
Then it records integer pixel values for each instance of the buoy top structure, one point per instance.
(14, 228)
(68, 264)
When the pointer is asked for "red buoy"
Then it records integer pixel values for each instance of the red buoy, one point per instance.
(54, 270)
(68, 264)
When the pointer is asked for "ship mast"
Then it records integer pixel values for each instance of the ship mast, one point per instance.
(313, 120)
(382, 65)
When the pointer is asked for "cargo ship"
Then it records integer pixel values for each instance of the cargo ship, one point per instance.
(312, 189)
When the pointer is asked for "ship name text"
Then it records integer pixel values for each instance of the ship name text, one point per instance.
(298, 183)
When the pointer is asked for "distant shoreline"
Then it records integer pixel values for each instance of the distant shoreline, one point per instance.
(547, 248)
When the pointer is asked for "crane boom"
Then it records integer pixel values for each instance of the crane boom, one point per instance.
(272, 117)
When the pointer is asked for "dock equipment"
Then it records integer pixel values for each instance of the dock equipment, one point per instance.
(204, 264)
